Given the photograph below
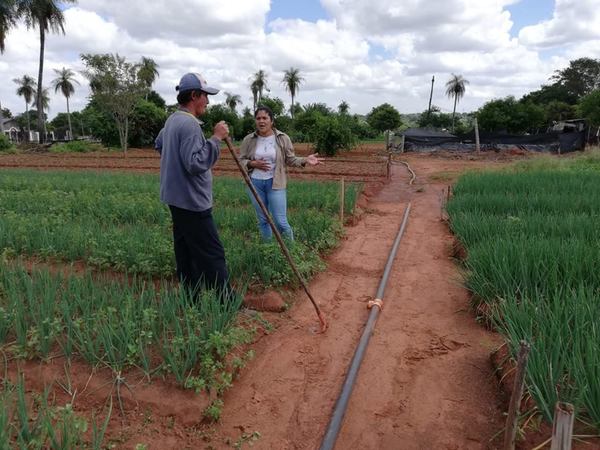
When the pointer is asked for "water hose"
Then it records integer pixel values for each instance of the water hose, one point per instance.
(335, 423)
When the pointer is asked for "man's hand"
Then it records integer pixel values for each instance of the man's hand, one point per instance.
(221, 130)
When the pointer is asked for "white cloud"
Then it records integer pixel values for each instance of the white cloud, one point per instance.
(188, 21)
(367, 52)
(573, 21)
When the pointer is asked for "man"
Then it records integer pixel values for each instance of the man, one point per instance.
(186, 159)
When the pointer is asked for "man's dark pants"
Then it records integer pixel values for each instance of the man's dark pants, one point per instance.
(199, 253)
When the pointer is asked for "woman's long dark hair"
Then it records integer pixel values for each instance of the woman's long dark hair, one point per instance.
(266, 109)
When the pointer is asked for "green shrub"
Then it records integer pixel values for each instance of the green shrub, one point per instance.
(145, 124)
(5, 144)
(333, 134)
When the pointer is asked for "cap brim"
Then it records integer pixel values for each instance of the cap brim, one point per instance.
(210, 91)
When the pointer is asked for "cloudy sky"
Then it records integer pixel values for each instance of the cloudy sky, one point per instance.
(365, 52)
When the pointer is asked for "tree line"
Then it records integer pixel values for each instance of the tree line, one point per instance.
(573, 92)
(124, 110)
(117, 106)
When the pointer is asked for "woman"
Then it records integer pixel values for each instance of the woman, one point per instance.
(265, 155)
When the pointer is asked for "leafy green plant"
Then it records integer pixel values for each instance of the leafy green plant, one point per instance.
(127, 229)
(532, 244)
(30, 421)
(214, 410)
(121, 325)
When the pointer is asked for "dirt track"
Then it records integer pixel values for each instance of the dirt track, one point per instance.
(426, 381)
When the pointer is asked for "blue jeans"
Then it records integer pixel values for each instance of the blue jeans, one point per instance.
(276, 202)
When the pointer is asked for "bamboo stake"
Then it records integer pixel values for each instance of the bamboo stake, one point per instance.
(282, 245)
(562, 427)
(510, 432)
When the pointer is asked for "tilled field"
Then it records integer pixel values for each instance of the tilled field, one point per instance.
(367, 163)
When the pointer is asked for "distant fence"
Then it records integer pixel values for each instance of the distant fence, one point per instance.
(553, 142)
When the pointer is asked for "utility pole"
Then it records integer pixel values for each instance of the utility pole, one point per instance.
(1, 120)
(430, 96)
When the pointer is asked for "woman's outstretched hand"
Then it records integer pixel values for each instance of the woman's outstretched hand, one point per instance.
(312, 160)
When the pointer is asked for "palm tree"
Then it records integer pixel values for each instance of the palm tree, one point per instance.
(46, 15)
(254, 89)
(292, 81)
(64, 82)
(343, 107)
(232, 100)
(259, 84)
(455, 87)
(7, 20)
(148, 73)
(26, 90)
(44, 101)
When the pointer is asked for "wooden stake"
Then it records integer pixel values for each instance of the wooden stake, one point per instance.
(402, 144)
(342, 200)
(2, 120)
(510, 432)
(562, 427)
(388, 167)
(477, 147)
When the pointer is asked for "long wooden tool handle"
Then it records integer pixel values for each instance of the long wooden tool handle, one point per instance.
(284, 248)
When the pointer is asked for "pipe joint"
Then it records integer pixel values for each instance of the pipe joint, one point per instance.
(377, 302)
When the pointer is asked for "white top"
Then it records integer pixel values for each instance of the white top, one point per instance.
(265, 150)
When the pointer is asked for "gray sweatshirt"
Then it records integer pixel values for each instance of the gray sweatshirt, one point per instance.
(186, 158)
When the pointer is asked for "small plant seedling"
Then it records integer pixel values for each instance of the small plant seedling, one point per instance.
(213, 411)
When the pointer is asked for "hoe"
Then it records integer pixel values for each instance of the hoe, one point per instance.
(284, 249)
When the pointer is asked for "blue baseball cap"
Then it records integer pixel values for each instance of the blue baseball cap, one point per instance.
(195, 82)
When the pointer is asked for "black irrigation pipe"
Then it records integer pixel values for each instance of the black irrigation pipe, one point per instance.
(341, 404)
(413, 175)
